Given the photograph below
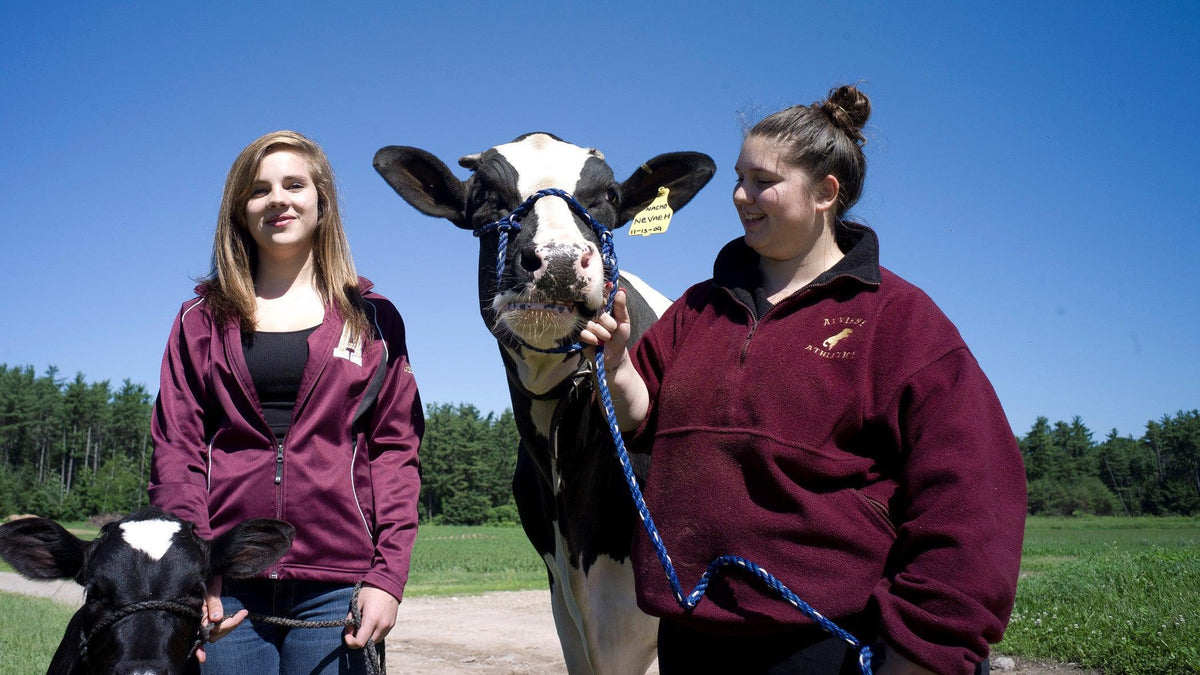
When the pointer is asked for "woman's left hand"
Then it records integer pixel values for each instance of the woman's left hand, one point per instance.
(378, 617)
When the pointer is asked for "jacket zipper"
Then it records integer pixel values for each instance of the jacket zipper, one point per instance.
(279, 463)
(882, 510)
(274, 570)
(749, 337)
(753, 323)
(755, 320)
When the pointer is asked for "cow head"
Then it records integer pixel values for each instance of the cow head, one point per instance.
(553, 278)
(149, 559)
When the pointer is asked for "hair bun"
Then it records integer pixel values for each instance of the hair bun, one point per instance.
(849, 109)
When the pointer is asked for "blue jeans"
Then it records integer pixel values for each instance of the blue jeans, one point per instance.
(263, 649)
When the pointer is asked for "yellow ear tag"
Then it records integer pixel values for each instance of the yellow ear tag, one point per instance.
(654, 219)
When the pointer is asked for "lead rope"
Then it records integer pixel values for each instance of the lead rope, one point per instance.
(370, 651)
(510, 223)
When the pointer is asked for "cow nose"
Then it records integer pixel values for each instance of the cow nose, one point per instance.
(530, 260)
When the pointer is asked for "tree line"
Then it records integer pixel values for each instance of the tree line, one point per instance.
(70, 449)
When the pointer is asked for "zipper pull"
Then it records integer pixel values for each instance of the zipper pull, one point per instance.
(279, 464)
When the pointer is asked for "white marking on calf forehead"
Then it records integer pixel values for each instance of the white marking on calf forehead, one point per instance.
(152, 537)
(543, 162)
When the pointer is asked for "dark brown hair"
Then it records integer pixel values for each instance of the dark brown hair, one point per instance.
(824, 139)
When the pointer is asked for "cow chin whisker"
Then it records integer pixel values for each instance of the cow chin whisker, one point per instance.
(542, 328)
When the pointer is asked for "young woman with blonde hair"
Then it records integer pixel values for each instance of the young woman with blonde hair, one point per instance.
(286, 393)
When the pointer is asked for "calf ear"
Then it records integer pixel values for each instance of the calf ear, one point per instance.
(423, 181)
(249, 548)
(683, 173)
(41, 549)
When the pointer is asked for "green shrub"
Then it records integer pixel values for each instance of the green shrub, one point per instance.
(504, 515)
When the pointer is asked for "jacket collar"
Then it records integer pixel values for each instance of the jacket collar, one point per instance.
(737, 270)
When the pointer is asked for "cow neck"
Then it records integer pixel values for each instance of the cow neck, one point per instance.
(542, 377)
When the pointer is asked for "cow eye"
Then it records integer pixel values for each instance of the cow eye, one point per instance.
(610, 198)
(478, 198)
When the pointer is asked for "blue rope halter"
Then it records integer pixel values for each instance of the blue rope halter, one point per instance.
(511, 223)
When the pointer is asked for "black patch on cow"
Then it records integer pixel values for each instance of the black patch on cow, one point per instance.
(596, 191)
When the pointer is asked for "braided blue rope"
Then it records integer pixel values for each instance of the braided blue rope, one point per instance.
(511, 223)
(692, 599)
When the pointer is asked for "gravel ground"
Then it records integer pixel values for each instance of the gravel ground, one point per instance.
(502, 633)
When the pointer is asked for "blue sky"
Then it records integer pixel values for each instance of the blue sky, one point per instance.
(1032, 164)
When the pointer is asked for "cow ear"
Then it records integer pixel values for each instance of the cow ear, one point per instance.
(42, 549)
(423, 181)
(683, 173)
(249, 548)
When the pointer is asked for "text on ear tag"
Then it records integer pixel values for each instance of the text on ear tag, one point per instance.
(655, 218)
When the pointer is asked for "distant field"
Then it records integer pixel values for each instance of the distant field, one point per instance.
(450, 560)
(1116, 594)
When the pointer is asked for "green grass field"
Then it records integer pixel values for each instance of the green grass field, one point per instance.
(451, 560)
(1120, 595)
(1116, 594)
(30, 630)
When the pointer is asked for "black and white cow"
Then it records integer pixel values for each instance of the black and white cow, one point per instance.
(144, 578)
(568, 486)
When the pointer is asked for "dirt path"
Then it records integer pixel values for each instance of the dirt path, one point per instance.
(491, 634)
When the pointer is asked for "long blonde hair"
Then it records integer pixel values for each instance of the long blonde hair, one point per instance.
(235, 255)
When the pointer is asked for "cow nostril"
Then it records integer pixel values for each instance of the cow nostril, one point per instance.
(530, 260)
(586, 259)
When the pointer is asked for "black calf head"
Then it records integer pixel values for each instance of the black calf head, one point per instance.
(553, 279)
(147, 556)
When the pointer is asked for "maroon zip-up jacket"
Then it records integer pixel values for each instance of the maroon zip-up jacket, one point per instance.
(347, 474)
(846, 441)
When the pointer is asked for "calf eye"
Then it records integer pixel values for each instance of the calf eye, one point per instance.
(611, 196)
(478, 198)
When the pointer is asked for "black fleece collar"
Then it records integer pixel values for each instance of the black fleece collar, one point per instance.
(737, 265)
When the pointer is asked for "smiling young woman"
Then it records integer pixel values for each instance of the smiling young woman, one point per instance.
(813, 412)
(286, 385)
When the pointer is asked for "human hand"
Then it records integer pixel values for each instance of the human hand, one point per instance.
(378, 617)
(612, 331)
(214, 616)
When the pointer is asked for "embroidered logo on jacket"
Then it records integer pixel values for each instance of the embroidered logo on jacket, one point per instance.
(349, 347)
(828, 348)
(831, 341)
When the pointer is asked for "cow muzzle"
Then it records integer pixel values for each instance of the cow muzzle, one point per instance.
(563, 282)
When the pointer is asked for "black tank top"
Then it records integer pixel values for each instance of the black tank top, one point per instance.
(276, 362)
